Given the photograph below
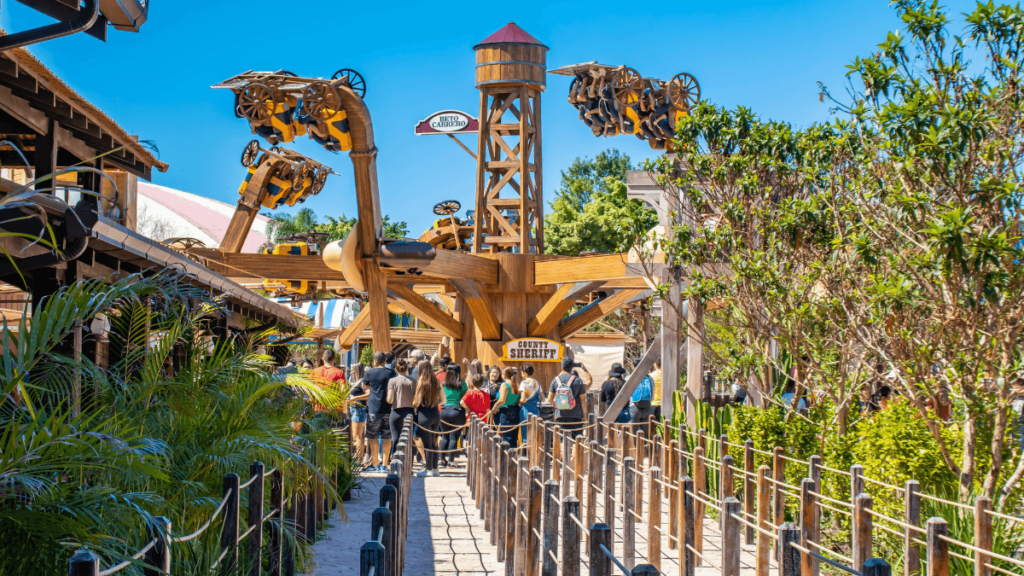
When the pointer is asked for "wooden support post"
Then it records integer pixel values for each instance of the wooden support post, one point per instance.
(702, 440)
(810, 533)
(912, 516)
(600, 562)
(496, 481)
(856, 482)
(723, 445)
(229, 532)
(371, 556)
(779, 475)
(158, 559)
(982, 535)
(700, 484)
(381, 530)
(470, 436)
(814, 471)
(501, 502)
(254, 545)
(764, 543)
(533, 546)
(389, 499)
(566, 476)
(727, 486)
(731, 549)
(657, 450)
(629, 507)
(749, 489)
(511, 512)
(684, 440)
(548, 450)
(789, 557)
(482, 475)
(570, 536)
(579, 462)
(522, 509)
(672, 478)
(609, 489)
(862, 526)
(687, 525)
(654, 517)
(550, 546)
(556, 455)
(938, 548)
(593, 485)
(641, 448)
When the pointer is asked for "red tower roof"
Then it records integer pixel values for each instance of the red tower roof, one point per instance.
(510, 34)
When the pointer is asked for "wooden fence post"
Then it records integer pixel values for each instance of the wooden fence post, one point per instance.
(856, 482)
(810, 533)
(609, 490)
(389, 500)
(86, 563)
(749, 489)
(814, 470)
(672, 479)
(600, 563)
(158, 559)
(862, 526)
(702, 440)
(496, 481)
(254, 545)
(700, 484)
(478, 467)
(638, 463)
(723, 445)
(470, 437)
(549, 567)
(982, 535)
(912, 516)
(593, 482)
(556, 454)
(687, 531)
(511, 512)
(548, 451)
(684, 440)
(657, 450)
(764, 543)
(726, 483)
(877, 567)
(579, 465)
(644, 570)
(229, 532)
(567, 463)
(501, 500)
(938, 548)
(487, 475)
(789, 557)
(654, 517)
(522, 509)
(629, 507)
(570, 536)
(533, 548)
(371, 555)
(730, 536)
(381, 530)
(592, 428)
(779, 475)
(277, 532)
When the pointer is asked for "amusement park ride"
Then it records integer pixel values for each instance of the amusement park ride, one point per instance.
(483, 280)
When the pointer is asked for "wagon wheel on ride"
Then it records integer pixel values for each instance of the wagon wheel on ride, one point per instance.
(447, 207)
(257, 103)
(354, 81)
(319, 180)
(321, 100)
(627, 86)
(250, 153)
(299, 173)
(683, 91)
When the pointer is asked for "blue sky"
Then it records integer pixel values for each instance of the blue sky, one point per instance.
(417, 58)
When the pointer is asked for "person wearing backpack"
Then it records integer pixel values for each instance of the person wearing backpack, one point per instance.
(640, 409)
(568, 394)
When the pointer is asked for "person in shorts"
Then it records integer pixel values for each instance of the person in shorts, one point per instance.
(378, 410)
(357, 397)
(568, 393)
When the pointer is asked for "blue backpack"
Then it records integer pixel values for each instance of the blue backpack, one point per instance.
(644, 391)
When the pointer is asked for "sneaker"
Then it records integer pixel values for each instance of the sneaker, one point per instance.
(435, 472)
(423, 474)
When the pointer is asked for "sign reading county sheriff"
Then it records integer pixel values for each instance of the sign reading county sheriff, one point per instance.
(532, 350)
(448, 122)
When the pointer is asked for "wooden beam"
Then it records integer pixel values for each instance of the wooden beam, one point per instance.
(352, 331)
(589, 269)
(451, 264)
(291, 267)
(377, 290)
(19, 109)
(425, 310)
(596, 311)
(557, 305)
(481, 308)
(642, 369)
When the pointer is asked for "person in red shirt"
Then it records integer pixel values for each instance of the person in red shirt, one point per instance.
(476, 400)
(328, 376)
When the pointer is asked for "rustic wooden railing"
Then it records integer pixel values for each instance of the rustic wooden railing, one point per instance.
(307, 509)
(384, 553)
(560, 488)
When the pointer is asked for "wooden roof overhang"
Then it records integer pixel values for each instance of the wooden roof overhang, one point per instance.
(39, 110)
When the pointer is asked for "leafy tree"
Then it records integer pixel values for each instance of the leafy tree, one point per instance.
(591, 207)
(282, 225)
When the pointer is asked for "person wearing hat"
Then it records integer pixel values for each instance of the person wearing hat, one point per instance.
(568, 393)
(610, 389)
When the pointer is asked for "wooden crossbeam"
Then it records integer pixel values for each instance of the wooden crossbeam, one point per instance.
(353, 330)
(596, 311)
(589, 269)
(558, 304)
(642, 369)
(408, 300)
(481, 308)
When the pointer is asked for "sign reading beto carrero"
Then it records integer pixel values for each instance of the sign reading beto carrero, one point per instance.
(532, 350)
(448, 122)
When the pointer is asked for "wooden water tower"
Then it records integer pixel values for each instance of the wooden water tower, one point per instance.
(510, 69)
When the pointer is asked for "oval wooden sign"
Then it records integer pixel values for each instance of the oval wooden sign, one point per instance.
(532, 350)
(447, 122)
